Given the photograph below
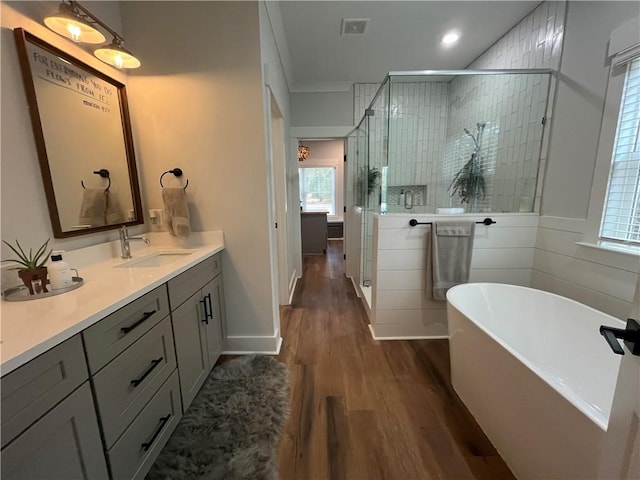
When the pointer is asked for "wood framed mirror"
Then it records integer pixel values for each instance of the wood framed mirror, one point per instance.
(82, 130)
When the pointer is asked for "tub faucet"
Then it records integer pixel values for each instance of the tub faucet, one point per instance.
(630, 335)
(124, 242)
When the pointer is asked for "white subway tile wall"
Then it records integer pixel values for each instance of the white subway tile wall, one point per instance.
(427, 144)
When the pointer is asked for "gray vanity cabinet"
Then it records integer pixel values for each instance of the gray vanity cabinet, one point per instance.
(197, 314)
(49, 424)
(132, 364)
(102, 404)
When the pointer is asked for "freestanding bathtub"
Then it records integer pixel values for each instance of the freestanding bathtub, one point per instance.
(539, 379)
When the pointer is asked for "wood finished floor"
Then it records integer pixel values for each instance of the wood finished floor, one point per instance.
(362, 409)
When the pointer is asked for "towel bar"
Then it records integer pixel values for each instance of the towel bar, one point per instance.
(413, 222)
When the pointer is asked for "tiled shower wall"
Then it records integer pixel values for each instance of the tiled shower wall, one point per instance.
(512, 106)
(417, 134)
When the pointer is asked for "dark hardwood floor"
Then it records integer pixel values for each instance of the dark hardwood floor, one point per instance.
(362, 409)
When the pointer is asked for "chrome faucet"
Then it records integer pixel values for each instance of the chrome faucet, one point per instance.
(124, 242)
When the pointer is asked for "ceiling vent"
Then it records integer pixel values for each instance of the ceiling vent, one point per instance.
(354, 26)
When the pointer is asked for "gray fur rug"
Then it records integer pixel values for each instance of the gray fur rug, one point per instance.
(233, 426)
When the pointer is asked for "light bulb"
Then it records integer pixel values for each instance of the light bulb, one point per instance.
(74, 31)
(450, 38)
(117, 61)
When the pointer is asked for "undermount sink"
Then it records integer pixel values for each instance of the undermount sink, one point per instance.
(159, 258)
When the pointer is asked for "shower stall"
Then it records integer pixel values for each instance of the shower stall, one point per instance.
(449, 142)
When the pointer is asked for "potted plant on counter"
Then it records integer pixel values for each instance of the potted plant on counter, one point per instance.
(32, 265)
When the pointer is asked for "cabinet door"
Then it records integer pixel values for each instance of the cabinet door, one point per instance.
(191, 347)
(212, 294)
(63, 444)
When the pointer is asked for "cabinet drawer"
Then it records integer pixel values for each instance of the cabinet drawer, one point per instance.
(134, 453)
(63, 444)
(189, 282)
(126, 384)
(111, 335)
(35, 388)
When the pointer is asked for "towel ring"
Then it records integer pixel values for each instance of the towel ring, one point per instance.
(104, 173)
(178, 173)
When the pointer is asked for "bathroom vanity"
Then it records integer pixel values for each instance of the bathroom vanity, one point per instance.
(95, 381)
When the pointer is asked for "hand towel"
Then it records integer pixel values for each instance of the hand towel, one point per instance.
(452, 247)
(176, 211)
(113, 213)
(93, 207)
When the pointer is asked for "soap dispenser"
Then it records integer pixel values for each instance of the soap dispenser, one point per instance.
(59, 272)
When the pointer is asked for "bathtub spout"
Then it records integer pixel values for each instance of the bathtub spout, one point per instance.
(630, 335)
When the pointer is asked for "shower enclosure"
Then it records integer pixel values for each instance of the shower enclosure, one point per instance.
(464, 139)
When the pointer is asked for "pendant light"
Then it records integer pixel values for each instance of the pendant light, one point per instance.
(74, 21)
(303, 152)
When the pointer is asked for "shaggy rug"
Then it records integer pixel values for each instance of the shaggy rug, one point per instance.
(233, 426)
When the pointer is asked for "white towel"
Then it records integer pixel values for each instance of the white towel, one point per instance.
(452, 247)
(113, 213)
(94, 207)
(176, 211)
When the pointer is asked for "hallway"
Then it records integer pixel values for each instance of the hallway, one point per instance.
(362, 409)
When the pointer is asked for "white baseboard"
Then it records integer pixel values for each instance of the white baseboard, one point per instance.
(408, 332)
(292, 286)
(355, 286)
(248, 345)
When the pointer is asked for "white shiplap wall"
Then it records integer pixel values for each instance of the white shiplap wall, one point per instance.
(401, 306)
(603, 279)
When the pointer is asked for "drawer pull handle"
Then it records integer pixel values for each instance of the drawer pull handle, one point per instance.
(154, 364)
(147, 445)
(146, 315)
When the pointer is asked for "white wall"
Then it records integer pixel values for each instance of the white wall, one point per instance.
(321, 109)
(601, 279)
(275, 62)
(197, 103)
(579, 102)
(24, 206)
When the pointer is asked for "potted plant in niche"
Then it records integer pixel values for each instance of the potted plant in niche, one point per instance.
(32, 265)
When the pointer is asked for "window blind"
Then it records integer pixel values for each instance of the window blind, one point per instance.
(621, 217)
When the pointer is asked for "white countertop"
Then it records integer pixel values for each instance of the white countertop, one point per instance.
(30, 328)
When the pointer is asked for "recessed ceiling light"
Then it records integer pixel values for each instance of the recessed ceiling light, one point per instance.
(450, 38)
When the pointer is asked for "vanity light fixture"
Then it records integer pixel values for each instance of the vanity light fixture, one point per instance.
(303, 152)
(450, 38)
(69, 22)
(74, 21)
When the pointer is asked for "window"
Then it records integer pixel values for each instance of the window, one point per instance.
(621, 216)
(318, 189)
